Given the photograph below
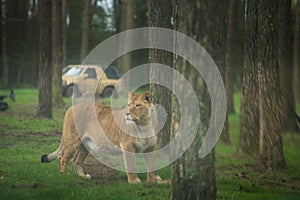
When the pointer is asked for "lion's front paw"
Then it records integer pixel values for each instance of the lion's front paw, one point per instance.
(164, 181)
(134, 181)
(153, 179)
(88, 176)
(157, 179)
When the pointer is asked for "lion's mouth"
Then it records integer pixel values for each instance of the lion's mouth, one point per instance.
(128, 118)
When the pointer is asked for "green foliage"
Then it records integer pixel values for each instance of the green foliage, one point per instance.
(23, 139)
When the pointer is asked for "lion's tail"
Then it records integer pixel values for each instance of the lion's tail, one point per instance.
(52, 156)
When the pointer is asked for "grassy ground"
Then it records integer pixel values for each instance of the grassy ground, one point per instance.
(23, 138)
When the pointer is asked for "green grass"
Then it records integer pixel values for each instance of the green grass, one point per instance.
(236, 175)
(23, 138)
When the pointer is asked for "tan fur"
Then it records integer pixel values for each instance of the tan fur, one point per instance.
(138, 112)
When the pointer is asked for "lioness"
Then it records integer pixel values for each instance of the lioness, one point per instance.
(137, 113)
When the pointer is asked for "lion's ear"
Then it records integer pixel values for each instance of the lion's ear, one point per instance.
(130, 94)
(147, 97)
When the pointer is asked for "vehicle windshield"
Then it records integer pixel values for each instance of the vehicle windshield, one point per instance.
(65, 70)
(74, 71)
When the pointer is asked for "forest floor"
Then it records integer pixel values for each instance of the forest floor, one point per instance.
(23, 139)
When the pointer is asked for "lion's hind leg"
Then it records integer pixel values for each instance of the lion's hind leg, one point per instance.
(78, 161)
(64, 159)
(68, 152)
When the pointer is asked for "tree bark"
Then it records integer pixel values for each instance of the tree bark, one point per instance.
(117, 15)
(285, 53)
(231, 53)
(270, 155)
(85, 29)
(249, 117)
(160, 13)
(297, 54)
(219, 49)
(45, 63)
(126, 23)
(192, 177)
(57, 53)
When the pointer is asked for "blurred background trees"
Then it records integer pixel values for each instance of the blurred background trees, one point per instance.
(87, 23)
(19, 37)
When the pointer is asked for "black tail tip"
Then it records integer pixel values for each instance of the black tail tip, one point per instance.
(44, 158)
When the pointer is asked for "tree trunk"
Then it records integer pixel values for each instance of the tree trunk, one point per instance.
(160, 13)
(57, 53)
(219, 49)
(117, 15)
(285, 53)
(4, 58)
(249, 117)
(126, 23)
(64, 30)
(297, 54)
(192, 177)
(269, 99)
(34, 33)
(231, 53)
(85, 29)
(45, 64)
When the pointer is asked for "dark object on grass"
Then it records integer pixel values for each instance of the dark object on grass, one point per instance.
(298, 118)
(3, 105)
(12, 95)
(2, 97)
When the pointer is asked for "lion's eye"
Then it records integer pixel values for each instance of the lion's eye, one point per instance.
(137, 105)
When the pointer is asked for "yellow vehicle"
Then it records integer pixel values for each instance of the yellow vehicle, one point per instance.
(81, 79)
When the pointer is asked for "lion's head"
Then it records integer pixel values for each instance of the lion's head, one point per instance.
(139, 108)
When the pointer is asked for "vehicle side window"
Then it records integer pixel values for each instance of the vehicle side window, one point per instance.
(111, 73)
(91, 73)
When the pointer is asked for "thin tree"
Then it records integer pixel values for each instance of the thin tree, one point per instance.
(297, 54)
(64, 30)
(231, 53)
(285, 58)
(34, 35)
(45, 60)
(57, 52)
(249, 117)
(117, 15)
(4, 56)
(270, 156)
(85, 29)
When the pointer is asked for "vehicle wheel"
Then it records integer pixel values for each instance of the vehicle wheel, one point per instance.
(70, 90)
(107, 92)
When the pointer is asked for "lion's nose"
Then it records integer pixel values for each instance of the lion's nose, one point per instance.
(127, 114)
